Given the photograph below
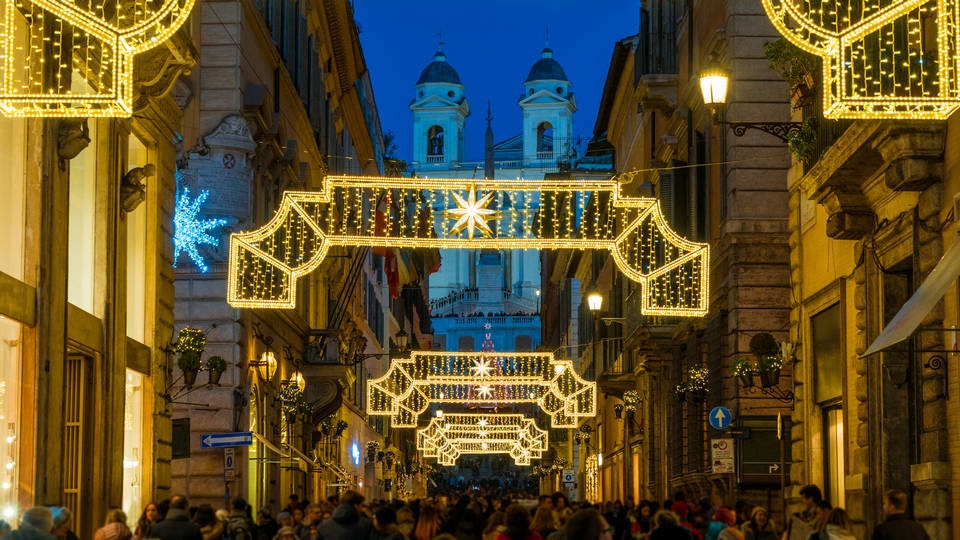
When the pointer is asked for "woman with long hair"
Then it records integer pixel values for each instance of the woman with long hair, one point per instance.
(759, 526)
(587, 524)
(428, 522)
(517, 521)
(494, 525)
(544, 521)
(210, 526)
(150, 515)
(114, 527)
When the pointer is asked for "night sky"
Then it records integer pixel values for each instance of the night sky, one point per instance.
(492, 44)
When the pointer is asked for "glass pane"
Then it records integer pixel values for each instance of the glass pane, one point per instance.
(826, 338)
(10, 353)
(834, 455)
(133, 446)
(136, 250)
(12, 151)
(82, 235)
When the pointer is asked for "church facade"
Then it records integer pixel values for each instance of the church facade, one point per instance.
(479, 295)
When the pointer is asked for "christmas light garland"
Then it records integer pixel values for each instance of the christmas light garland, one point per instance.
(402, 212)
(878, 59)
(449, 437)
(410, 385)
(90, 45)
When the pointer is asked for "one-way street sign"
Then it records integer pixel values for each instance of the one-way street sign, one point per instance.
(720, 418)
(225, 440)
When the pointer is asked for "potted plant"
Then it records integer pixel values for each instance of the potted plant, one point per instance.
(796, 66)
(292, 402)
(680, 391)
(341, 427)
(802, 141)
(769, 369)
(190, 345)
(697, 380)
(742, 370)
(216, 365)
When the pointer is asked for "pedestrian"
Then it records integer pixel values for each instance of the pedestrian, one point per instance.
(802, 523)
(61, 523)
(494, 525)
(897, 524)
(759, 526)
(428, 522)
(285, 533)
(406, 522)
(587, 524)
(561, 508)
(239, 525)
(210, 526)
(517, 522)
(149, 516)
(267, 527)
(682, 510)
(176, 525)
(544, 522)
(666, 526)
(728, 518)
(114, 527)
(837, 526)
(35, 524)
(385, 525)
(347, 522)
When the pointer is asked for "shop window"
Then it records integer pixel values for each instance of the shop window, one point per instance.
(136, 222)
(82, 226)
(133, 438)
(13, 152)
(10, 356)
(826, 340)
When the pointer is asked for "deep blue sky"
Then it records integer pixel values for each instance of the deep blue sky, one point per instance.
(492, 44)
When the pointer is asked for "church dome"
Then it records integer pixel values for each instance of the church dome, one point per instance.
(439, 71)
(546, 68)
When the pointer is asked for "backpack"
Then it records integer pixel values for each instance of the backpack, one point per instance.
(238, 528)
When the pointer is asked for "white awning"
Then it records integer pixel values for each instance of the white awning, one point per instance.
(930, 292)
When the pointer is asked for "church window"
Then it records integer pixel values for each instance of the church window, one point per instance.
(450, 93)
(560, 90)
(531, 91)
(421, 93)
(544, 140)
(435, 142)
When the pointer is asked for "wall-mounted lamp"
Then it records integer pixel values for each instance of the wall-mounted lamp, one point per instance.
(267, 364)
(714, 83)
(594, 301)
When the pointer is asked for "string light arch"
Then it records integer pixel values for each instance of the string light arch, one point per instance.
(496, 214)
(449, 437)
(410, 385)
(881, 59)
(63, 58)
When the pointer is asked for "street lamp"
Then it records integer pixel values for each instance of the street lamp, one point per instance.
(538, 301)
(266, 366)
(714, 83)
(594, 303)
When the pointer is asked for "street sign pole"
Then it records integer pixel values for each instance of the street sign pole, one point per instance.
(783, 467)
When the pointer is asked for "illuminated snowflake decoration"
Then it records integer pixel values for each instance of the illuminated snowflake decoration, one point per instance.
(482, 422)
(190, 230)
(482, 367)
(485, 391)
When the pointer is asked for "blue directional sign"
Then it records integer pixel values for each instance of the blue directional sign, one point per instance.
(225, 440)
(720, 418)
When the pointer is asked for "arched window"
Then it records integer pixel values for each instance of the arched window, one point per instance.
(434, 144)
(544, 140)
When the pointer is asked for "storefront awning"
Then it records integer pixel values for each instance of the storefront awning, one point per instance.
(930, 292)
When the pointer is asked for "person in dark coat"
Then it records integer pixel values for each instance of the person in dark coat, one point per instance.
(666, 526)
(177, 525)
(346, 523)
(898, 526)
(35, 524)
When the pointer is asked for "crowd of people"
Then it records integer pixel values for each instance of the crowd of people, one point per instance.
(476, 516)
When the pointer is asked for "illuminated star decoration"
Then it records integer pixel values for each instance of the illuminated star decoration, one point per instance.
(190, 230)
(485, 391)
(482, 367)
(482, 422)
(472, 214)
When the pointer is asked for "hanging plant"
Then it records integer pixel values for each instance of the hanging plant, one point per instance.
(216, 363)
(341, 426)
(292, 400)
(190, 340)
(631, 399)
(697, 378)
(771, 362)
(741, 367)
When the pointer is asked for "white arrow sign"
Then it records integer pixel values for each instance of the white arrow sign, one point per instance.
(224, 440)
(773, 468)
